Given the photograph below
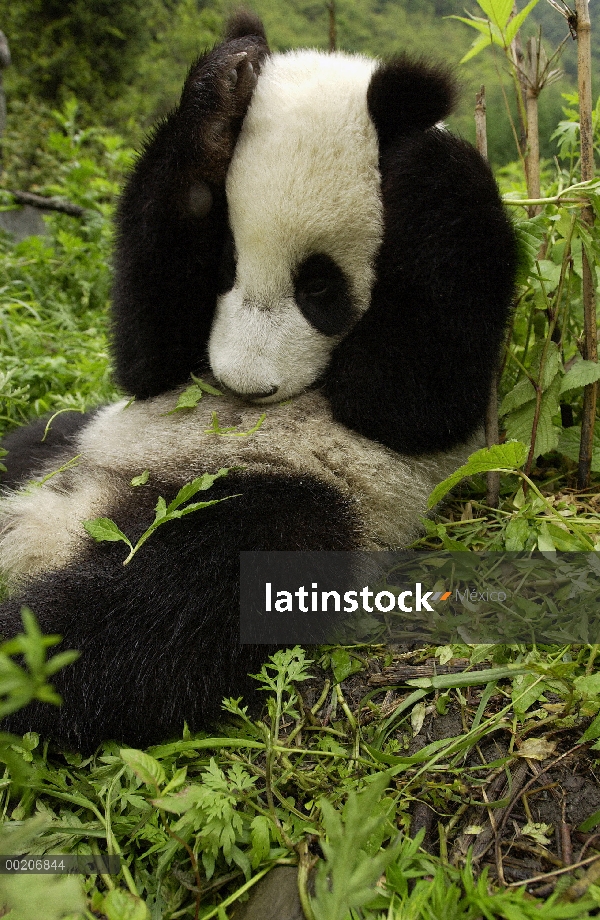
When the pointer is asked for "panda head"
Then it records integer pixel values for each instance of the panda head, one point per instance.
(349, 244)
(306, 214)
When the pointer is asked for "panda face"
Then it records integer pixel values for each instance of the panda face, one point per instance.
(303, 194)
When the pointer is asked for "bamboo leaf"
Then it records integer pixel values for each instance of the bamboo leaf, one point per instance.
(206, 387)
(478, 45)
(515, 24)
(199, 484)
(142, 479)
(476, 22)
(189, 399)
(497, 11)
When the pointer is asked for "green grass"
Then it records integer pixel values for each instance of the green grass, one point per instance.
(198, 821)
(53, 316)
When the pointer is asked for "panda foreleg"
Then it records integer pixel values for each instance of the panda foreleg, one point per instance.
(172, 224)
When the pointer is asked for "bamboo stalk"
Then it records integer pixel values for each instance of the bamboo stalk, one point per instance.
(492, 433)
(533, 137)
(480, 123)
(590, 342)
(332, 26)
(517, 57)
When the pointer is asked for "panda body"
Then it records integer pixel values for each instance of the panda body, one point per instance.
(299, 233)
(383, 492)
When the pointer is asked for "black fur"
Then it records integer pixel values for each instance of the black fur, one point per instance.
(322, 293)
(415, 372)
(407, 95)
(28, 453)
(169, 246)
(157, 651)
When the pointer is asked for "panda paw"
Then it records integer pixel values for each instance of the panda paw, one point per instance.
(215, 100)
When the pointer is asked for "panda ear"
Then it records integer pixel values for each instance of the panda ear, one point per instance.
(406, 95)
(242, 24)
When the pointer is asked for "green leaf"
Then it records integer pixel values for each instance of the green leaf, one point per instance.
(161, 509)
(550, 273)
(144, 766)
(519, 423)
(189, 399)
(476, 22)
(530, 234)
(346, 879)
(523, 392)
(564, 541)
(142, 479)
(516, 534)
(588, 685)
(200, 484)
(552, 365)
(498, 11)
(178, 778)
(515, 24)
(198, 506)
(545, 542)
(503, 457)
(261, 838)
(57, 662)
(215, 427)
(121, 905)
(478, 45)
(592, 732)
(179, 803)
(594, 820)
(206, 387)
(105, 530)
(568, 444)
(343, 664)
(580, 375)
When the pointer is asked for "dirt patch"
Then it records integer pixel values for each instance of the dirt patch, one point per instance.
(522, 797)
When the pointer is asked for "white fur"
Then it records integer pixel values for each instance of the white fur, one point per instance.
(304, 179)
(40, 528)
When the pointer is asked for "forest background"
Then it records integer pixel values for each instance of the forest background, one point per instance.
(126, 62)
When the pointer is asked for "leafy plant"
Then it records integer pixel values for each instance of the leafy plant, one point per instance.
(559, 247)
(346, 879)
(20, 685)
(105, 530)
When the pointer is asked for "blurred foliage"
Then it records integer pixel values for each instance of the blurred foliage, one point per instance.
(126, 62)
(54, 290)
(87, 48)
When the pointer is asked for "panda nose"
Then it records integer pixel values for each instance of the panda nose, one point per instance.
(259, 395)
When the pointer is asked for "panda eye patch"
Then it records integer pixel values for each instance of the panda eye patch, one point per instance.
(322, 293)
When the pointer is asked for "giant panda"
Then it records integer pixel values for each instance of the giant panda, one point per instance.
(303, 235)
